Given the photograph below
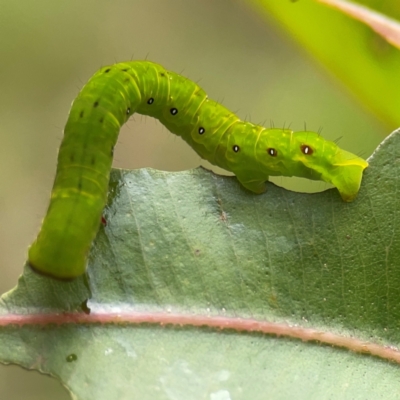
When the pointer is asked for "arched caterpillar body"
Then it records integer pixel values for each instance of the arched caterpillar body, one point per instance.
(107, 101)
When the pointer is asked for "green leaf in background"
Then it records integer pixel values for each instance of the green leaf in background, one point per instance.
(358, 56)
(194, 244)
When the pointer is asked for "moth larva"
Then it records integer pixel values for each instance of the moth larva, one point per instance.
(107, 101)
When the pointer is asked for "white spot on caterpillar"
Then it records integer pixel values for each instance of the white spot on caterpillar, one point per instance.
(307, 150)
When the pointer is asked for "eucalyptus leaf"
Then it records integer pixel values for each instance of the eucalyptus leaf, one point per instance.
(196, 244)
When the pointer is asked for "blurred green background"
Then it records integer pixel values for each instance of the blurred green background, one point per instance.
(49, 49)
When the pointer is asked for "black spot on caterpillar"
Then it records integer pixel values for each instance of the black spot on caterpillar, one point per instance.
(105, 103)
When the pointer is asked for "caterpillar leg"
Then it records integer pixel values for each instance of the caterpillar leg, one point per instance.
(255, 186)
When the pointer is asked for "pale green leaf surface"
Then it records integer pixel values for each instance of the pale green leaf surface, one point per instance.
(367, 64)
(198, 244)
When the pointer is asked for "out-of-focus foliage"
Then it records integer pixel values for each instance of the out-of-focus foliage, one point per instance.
(365, 62)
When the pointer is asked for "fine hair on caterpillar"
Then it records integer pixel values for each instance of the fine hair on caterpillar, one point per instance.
(106, 102)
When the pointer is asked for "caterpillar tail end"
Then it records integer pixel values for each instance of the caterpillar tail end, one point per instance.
(48, 274)
(62, 247)
(42, 260)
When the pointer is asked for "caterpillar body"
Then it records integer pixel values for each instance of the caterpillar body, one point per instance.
(111, 96)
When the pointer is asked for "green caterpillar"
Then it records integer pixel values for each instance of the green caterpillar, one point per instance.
(107, 101)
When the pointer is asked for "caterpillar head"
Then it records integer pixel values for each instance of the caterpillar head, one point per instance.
(346, 174)
(330, 163)
(308, 155)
